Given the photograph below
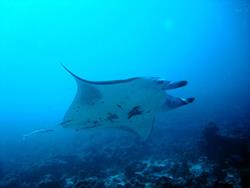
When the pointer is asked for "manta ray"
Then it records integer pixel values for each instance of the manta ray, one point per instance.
(130, 104)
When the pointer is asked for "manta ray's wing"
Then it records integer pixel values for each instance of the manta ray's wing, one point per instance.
(129, 104)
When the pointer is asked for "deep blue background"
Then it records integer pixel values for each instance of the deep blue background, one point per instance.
(205, 42)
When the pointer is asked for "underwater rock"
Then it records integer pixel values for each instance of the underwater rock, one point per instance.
(224, 149)
(134, 167)
(11, 182)
(49, 181)
(117, 180)
(92, 182)
(136, 183)
(245, 177)
(41, 169)
(49, 184)
(201, 167)
(177, 169)
(1, 171)
(69, 182)
(165, 182)
(232, 177)
(162, 162)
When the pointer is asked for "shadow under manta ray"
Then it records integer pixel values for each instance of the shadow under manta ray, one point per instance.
(129, 104)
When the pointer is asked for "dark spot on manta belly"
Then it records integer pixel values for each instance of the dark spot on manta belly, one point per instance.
(135, 111)
(111, 117)
(119, 106)
(96, 123)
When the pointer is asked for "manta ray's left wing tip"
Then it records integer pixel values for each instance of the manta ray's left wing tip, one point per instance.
(71, 73)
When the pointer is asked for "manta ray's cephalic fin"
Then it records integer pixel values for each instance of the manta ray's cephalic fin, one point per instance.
(175, 85)
(175, 102)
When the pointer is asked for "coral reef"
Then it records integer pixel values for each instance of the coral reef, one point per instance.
(227, 150)
(218, 161)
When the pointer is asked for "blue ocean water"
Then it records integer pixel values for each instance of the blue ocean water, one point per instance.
(204, 42)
